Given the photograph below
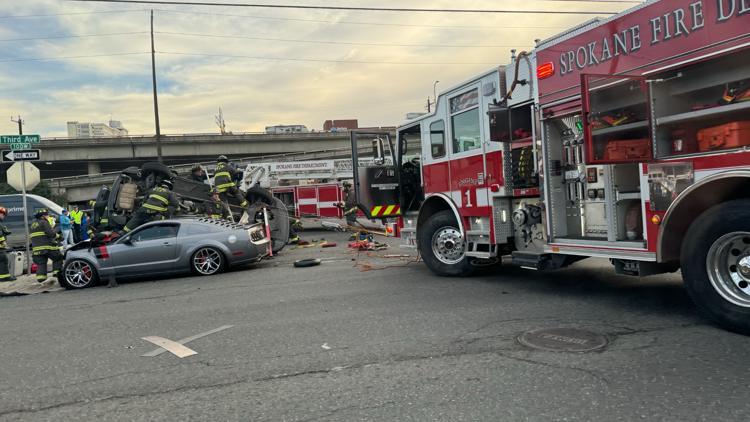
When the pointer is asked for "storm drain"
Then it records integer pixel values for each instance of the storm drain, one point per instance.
(563, 340)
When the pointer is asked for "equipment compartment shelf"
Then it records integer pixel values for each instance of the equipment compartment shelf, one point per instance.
(698, 114)
(621, 128)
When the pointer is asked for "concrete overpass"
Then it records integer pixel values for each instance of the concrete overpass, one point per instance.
(84, 187)
(94, 155)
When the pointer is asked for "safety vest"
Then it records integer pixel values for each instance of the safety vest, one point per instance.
(223, 177)
(158, 200)
(76, 215)
(42, 237)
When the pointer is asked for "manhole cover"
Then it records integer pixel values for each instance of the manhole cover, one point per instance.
(563, 340)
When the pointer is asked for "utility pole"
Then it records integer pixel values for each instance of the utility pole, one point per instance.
(20, 124)
(25, 205)
(156, 101)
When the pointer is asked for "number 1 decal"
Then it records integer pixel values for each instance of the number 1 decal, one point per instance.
(467, 194)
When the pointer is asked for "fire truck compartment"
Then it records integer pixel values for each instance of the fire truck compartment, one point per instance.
(589, 202)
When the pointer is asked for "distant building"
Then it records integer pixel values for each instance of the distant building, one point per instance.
(96, 130)
(340, 125)
(282, 129)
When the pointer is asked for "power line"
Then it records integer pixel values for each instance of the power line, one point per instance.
(294, 59)
(55, 37)
(70, 13)
(353, 8)
(495, 27)
(39, 59)
(331, 42)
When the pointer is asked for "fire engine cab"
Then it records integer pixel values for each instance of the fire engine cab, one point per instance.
(625, 138)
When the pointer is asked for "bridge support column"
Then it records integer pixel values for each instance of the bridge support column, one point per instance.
(94, 167)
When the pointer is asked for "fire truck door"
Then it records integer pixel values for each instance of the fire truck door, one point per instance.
(467, 154)
(375, 174)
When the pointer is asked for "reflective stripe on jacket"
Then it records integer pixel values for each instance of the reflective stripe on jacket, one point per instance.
(224, 176)
(43, 236)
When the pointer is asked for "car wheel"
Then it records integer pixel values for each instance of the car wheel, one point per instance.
(156, 168)
(442, 246)
(78, 274)
(715, 264)
(207, 261)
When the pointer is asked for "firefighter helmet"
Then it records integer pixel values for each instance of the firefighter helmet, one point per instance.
(40, 212)
(166, 183)
(223, 159)
(346, 184)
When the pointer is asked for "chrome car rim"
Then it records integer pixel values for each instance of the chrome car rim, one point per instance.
(79, 274)
(728, 266)
(448, 245)
(207, 261)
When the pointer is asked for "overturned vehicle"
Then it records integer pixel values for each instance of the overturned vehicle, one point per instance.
(115, 205)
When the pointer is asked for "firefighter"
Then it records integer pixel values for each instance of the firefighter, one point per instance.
(214, 208)
(294, 225)
(197, 174)
(160, 203)
(224, 180)
(5, 274)
(350, 204)
(44, 246)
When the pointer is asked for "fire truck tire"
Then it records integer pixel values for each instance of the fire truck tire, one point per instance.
(439, 246)
(715, 261)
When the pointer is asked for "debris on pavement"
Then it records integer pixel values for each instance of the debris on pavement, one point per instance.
(27, 285)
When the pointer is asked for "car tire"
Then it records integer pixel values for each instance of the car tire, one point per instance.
(715, 260)
(207, 261)
(439, 249)
(78, 274)
(157, 169)
(304, 263)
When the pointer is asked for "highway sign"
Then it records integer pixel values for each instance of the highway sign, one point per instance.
(23, 176)
(20, 139)
(22, 155)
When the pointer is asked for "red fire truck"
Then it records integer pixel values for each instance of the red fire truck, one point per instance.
(626, 138)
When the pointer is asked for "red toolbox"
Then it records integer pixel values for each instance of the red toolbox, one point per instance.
(627, 150)
(730, 135)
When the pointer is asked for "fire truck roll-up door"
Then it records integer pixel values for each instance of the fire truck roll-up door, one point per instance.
(375, 181)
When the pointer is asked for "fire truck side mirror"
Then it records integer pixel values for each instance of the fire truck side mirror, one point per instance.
(378, 151)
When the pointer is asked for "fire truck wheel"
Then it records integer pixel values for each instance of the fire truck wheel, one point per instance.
(442, 247)
(715, 263)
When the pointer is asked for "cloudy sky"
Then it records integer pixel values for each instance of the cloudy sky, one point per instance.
(64, 60)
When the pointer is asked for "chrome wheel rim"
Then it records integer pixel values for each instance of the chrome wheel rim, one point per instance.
(728, 266)
(448, 245)
(207, 261)
(79, 274)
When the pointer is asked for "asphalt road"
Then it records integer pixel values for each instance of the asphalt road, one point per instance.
(334, 342)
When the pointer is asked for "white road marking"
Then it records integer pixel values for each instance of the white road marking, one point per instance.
(171, 346)
(159, 351)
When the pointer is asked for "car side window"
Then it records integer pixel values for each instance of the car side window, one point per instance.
(160, 231)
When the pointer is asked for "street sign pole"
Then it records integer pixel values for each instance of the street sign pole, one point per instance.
(26, 219)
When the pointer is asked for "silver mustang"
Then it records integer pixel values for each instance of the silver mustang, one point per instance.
(200, 245)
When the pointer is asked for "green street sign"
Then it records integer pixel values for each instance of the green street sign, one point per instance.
(20, 146)
(20, 139)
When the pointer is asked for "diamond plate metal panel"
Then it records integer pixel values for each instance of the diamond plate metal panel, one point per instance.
(503, 231)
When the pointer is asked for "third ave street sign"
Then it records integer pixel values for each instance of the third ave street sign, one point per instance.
(22, 155)
(20, 142)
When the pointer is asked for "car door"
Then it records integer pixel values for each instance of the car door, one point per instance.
(149, 250)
